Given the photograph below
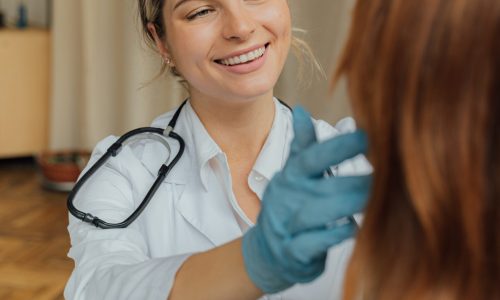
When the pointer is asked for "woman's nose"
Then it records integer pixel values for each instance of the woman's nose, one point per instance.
(238, 25)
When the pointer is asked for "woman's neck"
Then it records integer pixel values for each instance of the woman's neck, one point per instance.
(239, 128)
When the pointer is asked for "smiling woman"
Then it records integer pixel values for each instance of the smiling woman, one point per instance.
(151, 12)
(225, 29)
(187, 244)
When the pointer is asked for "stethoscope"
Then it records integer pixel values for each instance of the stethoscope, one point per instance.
(155, 133)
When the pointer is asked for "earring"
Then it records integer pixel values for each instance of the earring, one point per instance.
(167, 61)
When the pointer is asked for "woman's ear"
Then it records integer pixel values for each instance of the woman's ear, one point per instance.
(160, 44)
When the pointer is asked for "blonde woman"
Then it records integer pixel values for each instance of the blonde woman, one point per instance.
(187, 243)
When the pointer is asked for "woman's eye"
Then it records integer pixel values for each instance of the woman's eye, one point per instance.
(255, 1)
(199, 13)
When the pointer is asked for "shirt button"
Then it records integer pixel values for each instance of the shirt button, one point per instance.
(259, 178)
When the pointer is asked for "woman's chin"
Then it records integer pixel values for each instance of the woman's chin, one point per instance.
(253, 90)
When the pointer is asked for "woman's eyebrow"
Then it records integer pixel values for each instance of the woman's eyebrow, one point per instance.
(179, 3)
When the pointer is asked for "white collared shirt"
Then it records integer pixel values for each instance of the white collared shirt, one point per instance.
(194, 210)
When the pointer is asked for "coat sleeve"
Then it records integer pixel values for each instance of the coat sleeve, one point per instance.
(115, 263)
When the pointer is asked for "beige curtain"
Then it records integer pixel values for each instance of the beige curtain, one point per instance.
(100, 65)
(326, 24)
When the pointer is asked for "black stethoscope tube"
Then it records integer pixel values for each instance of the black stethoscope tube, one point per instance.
(113, 150)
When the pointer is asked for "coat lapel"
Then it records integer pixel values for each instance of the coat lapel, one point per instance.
(212, 216)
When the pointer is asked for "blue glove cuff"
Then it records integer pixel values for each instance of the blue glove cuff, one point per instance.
(259, 263)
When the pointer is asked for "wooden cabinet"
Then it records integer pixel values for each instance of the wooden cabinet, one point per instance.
(24, 91)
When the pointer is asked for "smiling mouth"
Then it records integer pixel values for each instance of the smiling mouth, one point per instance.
(244, 58)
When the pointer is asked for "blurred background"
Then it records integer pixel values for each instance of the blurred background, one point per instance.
(75, 71)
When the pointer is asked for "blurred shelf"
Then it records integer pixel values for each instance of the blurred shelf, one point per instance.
(24, 91)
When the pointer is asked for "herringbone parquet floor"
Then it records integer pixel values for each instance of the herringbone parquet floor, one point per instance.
(33, 236)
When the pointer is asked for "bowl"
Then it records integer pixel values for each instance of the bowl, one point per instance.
(60, 169)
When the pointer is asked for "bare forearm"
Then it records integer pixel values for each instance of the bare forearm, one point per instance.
(216, 274)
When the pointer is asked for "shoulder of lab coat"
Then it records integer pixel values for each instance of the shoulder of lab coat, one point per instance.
(116, 263)
(357, 165)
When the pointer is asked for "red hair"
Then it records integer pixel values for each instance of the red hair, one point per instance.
(424, 80)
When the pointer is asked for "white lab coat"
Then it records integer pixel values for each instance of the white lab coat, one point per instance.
(191, 212)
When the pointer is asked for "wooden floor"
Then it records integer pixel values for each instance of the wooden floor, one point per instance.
(33, 236)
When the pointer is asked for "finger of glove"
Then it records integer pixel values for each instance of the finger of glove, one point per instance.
(312, 245)
(314, 160)
(326, 211)
(341, 184)
(299, 193)
(304, 133)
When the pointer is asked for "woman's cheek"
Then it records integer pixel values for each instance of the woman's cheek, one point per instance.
(277, 18)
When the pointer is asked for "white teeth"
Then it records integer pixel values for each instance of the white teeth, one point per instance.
(244, 58)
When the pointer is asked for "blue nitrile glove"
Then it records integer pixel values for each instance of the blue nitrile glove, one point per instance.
(301, 209)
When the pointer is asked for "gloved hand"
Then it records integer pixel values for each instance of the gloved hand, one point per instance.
(301, 208)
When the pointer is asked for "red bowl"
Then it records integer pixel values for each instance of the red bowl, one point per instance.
(62, 166)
